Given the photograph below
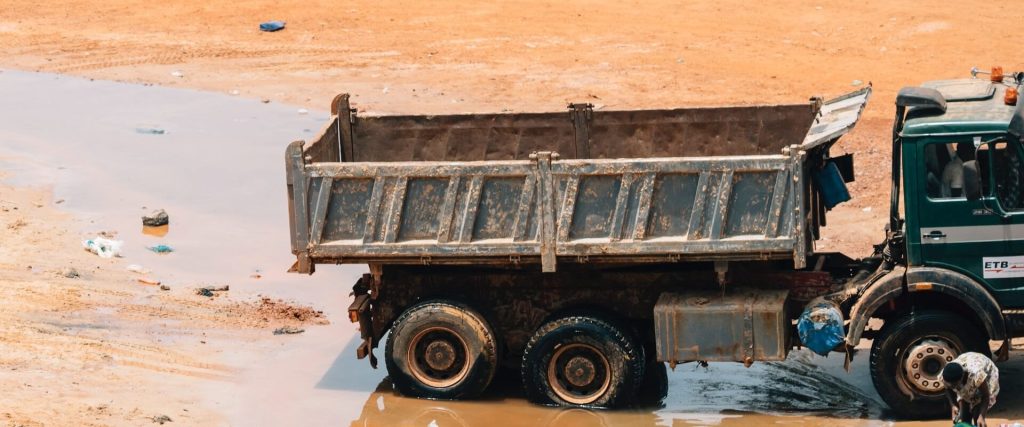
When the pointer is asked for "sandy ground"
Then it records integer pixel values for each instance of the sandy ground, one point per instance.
(413, 57)
(85, 342)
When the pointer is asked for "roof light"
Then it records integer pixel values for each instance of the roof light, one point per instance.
(997, 74)
(1010, 97)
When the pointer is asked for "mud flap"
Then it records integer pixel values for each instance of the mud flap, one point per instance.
(359, 312)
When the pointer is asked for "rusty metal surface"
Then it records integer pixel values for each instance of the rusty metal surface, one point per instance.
(551, 210)
(735, 325)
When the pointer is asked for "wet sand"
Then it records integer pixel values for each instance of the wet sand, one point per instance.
(218, 171)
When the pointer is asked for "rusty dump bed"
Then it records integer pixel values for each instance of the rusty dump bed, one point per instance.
(731, 183)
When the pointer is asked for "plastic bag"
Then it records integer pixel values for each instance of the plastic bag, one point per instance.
(105, 248)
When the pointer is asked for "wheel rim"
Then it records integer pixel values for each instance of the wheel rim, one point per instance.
(439, 357)
(923, 362)
(579, 373)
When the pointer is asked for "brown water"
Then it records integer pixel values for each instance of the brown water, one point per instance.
(218, 170)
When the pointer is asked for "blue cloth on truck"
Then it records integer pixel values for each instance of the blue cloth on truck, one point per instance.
(821, 327)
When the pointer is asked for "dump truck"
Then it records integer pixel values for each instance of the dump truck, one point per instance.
(588, 249)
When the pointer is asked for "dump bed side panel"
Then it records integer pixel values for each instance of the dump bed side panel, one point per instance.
(581, 133)
(544, 210)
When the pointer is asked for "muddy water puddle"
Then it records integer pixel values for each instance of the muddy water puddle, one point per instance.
(218, 169)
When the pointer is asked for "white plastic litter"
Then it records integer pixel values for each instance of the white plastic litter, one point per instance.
(105, 248)
(135, 268)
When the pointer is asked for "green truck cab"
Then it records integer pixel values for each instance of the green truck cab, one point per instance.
(954, 261)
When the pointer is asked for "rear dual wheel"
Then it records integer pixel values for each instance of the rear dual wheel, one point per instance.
(441, 350)
(582, 361)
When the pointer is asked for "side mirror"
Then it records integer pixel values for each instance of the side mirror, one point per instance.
(972, 180)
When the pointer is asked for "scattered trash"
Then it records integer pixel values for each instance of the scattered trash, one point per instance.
(135, 268)
(165, 288)
(160, 231)
(105, 248)
(157, 218)
(150, 131)
(161, 249)
(680, 60)
(146, 281)
(209, 291)
(271, 26)
(856, 83)
(385, 91)
(288, 330)
(177, 74)
(867, 209)
(160, 419)
(303, 111)
(234, 92)
(69, 273)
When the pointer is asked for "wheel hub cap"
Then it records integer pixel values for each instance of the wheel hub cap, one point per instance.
(579, 371)
(924, 363)
(440, 355)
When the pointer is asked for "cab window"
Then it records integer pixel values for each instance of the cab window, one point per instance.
(1002, 168)
(944, 164)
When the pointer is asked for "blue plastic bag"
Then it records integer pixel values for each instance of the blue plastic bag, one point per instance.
(271, 26)
(821, 327)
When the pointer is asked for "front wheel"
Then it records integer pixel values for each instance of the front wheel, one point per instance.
(441, 350)
(582, 361)
(909, 353)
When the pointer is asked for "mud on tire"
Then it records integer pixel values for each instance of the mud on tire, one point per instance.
(441, 350)
(582, 361)
(898, 338)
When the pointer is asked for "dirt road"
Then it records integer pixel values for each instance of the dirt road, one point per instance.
(406, 57)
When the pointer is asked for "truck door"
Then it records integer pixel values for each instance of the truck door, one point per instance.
(981, 238)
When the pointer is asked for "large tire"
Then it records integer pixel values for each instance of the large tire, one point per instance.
(909, 353)
(582, 361)
(441, 350)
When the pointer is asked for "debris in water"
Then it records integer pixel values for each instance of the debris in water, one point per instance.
(271, 26)
(157, 218)
(147, 281)
(234, 92)
(265, 100)
(69, 273)
(209, 291)
(288, 330)
(135, 268)
(150, 131)
(161, 249)
(105, 248)
(303, 111)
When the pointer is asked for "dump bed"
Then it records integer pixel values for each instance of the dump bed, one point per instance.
(731, 183)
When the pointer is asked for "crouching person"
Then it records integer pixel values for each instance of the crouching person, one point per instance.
(972, 383)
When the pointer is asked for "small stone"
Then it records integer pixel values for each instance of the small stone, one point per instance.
(165, 288)
(867, 209)
(160, 419)
(177, 74)
(157, 218)
(288, 330)
(234, 92)
(856, 83)
(69, 272)
(303, 111)
(265, 100)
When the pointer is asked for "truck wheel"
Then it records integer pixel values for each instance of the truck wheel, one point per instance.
(910, 352)
(441, 350)
(582, 361)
